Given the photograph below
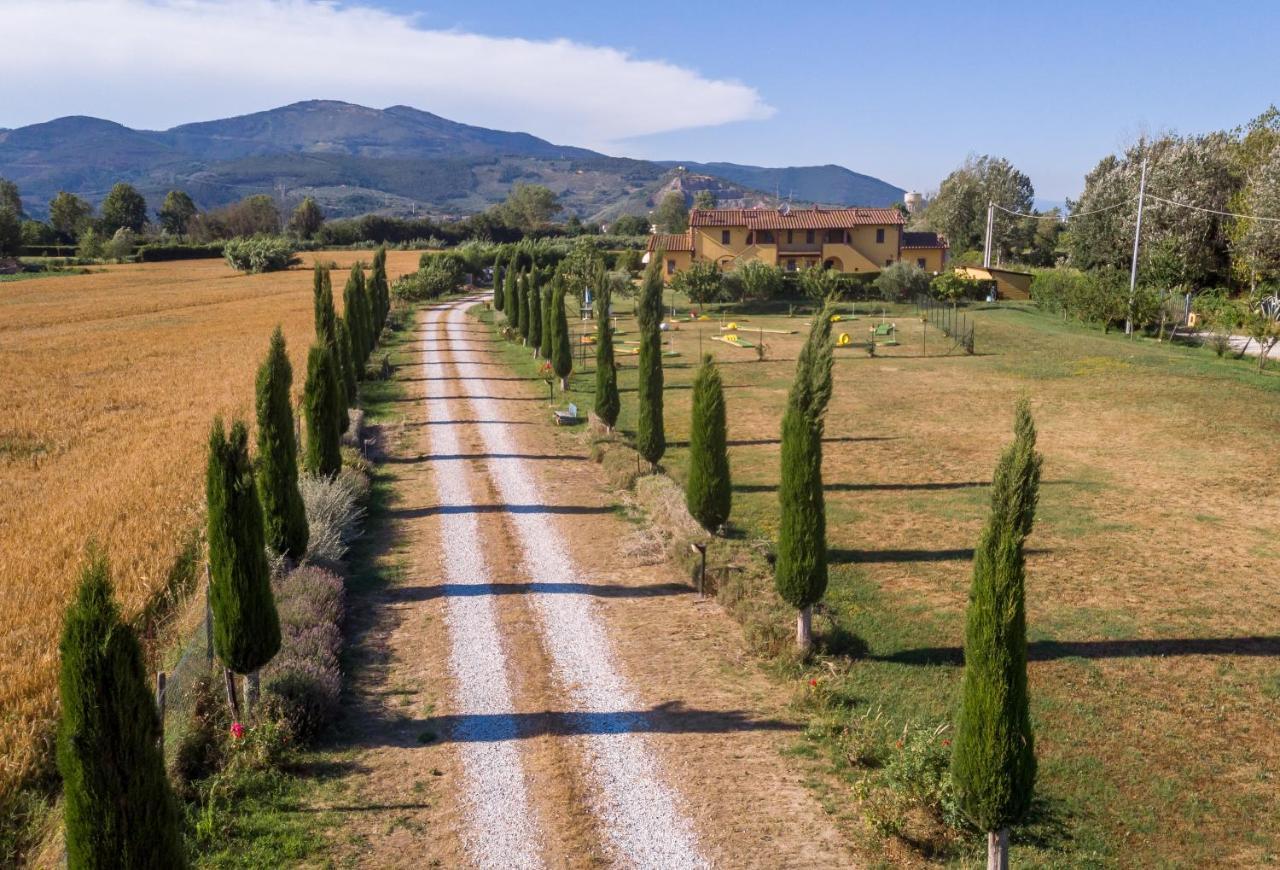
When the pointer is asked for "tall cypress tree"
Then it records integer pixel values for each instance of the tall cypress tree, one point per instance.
(284, 515)
(379, 294)
(511, 295)
(708, 493)
(322, 301)
(346, 367)
(608, 402)
(561, 349)
(651, 437)
(320, 406)
(246, 628)
(535, 314)
(356, 312)
(497, 286)
(993, 762)
(800, 571)
(547, 340)
(364, 294)
(118, 810)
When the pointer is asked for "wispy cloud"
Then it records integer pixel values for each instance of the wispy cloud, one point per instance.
(157, 63)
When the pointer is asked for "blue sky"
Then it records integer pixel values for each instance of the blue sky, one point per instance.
(900, 91)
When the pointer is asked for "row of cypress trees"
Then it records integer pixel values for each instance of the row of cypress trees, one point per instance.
(119, 809)
(538, 313)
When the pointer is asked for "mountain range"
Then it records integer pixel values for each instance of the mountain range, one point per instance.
(355, 160)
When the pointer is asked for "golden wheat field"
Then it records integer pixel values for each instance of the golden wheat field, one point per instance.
(110, 383)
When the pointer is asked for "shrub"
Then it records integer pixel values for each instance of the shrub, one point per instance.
(119, 811)
(333, 512)
(302, 686)
(156, 252)
(902, 281)
(439, 275)
(259, 253)
(90, 245)
(121, 244)
(951, 286)
(754, 281)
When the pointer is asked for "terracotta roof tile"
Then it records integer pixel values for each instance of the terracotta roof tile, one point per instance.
(669, 243)
(923, 240)
(797, 219)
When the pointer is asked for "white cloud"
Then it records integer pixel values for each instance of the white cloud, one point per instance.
(157, 63)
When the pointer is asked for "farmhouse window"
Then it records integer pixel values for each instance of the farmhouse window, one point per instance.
(791, 237)
(835, 237)
(880, 236)
(808, 237)
(791, 264)
(920, 262)
(724, 237)
(671, 267)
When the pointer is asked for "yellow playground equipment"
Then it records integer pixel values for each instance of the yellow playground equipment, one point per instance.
(844, 340)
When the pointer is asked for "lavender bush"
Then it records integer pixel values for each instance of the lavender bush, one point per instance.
(302, 684)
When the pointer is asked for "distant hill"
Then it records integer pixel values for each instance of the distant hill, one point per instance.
(399, 160)
(827, 185)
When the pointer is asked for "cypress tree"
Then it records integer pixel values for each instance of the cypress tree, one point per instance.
(246, 628)
(548, 319)
(651, 438)
(322, 300)
(561, 349)
(346, 367)
(993, 762)
(355, 311)
(118, 809)
(508, 293)
(608, 402)
(364, 295)
(284, 515)
(535, 314)
(320, 406)
(379, 293)
(800, 571)
(708, 494)
(497, 287)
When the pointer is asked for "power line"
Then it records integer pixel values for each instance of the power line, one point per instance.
(1252, 217)
(1074, 214)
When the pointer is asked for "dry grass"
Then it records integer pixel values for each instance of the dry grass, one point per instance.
(111, 381)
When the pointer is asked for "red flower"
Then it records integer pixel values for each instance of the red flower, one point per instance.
(237, 730)
(898, 744)
(946, 742)
(813, 683)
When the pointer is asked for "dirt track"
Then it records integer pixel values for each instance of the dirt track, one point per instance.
(530, 698)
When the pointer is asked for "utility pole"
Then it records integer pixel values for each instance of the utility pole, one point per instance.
(986, 244)
(1137, 238)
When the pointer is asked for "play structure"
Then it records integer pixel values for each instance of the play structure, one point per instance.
(733, 340)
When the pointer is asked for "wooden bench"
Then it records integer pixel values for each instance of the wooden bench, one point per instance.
(567, 417)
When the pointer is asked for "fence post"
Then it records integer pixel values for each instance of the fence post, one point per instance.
(161, 686)
(208, 617)
(701, 550)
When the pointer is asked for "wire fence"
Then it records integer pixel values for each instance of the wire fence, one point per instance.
(948, 319)
(179, 685)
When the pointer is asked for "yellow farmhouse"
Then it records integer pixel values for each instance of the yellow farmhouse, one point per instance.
(863, 240)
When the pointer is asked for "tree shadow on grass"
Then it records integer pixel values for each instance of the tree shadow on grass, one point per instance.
(1261, 646)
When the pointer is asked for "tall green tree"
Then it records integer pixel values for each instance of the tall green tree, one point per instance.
(608, 403)
(545, 341)
(118, 810)
(284, 515)
(322, 302)
(959, 211)
(993, 761)
(306, 219)
(529, 207)
(800, 570)
(69, 215)
(511, 305)
(708, 492)
(346, 365)
(320, 405)
(354, 309)
(11, 197)
(176, 212)
(651, 436)
(246, 627)
(497, 286)
(535, 313)
(561, 349)
(673, 213)
(380, 290)
(123, 208)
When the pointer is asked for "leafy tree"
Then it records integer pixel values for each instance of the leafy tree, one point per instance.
(123, 207)
(321, 405)
(561, 349)
(251, 216)
(608, 403)
(651, 438)
(118, 809)
(10, 233)
(10, 198)
(246, 628)
(284, 515)
(176, 212)
(902, 281)
(306, 219)
(759, 281)
(820, 284)
(705, 199)
(708, 492)
(535, 315)
(959, 211)
(37, 233)
(69, 215)
(951, 286)
(630, 225)
(993, 762)
(529, 206)
(800, 571)
(673, 214)
(702, 282)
